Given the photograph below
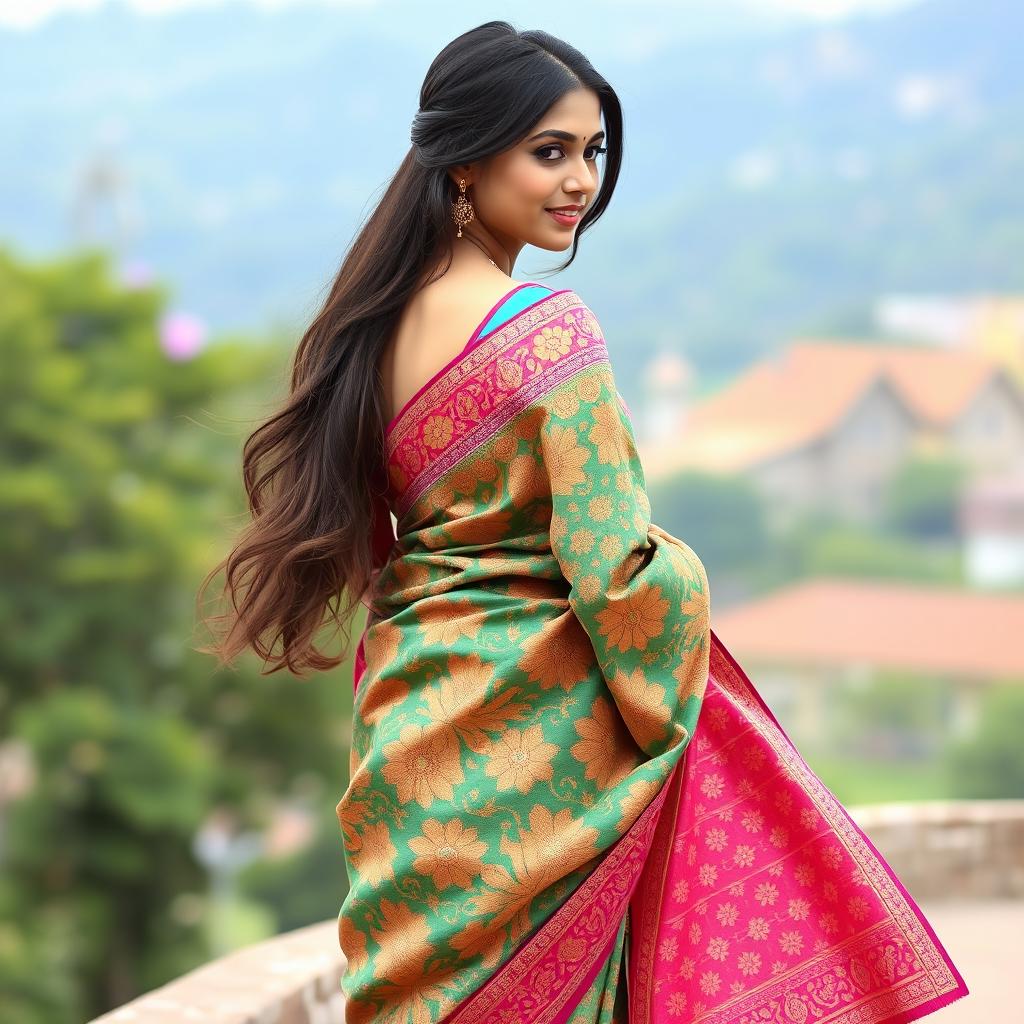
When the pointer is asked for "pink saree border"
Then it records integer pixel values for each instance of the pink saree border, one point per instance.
(548, 974)
(937, 984)
(470, 400)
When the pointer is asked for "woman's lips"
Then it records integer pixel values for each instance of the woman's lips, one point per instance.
(562, 218)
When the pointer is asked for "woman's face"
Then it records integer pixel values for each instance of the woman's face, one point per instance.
(512, 191)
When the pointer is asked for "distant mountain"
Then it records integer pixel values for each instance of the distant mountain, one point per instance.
(779, 174)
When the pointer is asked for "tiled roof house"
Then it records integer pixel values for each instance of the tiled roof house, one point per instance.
(828, 421)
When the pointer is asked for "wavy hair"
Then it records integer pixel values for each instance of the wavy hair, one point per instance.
(312, 469)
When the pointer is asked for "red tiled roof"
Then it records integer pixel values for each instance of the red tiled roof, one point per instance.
(829, 622)
(937, 384)
(789, 400)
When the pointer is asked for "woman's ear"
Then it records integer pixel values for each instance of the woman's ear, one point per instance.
(458, 173)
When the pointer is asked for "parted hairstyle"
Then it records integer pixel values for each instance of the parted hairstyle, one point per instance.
(304, 558)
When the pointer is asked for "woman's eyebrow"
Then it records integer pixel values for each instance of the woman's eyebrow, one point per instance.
(566, 136)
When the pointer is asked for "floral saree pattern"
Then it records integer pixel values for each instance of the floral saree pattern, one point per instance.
(566, 800)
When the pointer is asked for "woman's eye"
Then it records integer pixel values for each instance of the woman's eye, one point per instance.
(545, 149)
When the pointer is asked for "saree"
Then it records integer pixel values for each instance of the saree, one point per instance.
(567, 802)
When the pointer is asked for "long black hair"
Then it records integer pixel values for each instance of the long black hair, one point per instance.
(311, 470)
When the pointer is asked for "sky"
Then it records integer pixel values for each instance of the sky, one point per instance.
(27, 14)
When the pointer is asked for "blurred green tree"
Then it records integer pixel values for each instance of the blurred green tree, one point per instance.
(721, 517)
(921, 498)
(990, 763)
(115, 500)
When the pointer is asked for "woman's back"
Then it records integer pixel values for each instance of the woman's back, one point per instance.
(437, 324)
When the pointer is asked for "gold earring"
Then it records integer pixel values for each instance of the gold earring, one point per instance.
(462, 208)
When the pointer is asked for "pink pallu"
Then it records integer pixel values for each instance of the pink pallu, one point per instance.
(753, 897)
(744, 850)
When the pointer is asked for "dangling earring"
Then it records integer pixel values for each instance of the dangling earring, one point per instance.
(462, 208)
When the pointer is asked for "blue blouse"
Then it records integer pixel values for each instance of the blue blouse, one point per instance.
(513, 303)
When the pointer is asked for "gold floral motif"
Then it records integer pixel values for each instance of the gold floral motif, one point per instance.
(638, 796)
(467, 406)
(641, 703)
(423, 764)
(509, 374)
(450, 853)
(407, 986)
(351, 808)
(382, 642)
(437, 431)
(404, 943)
(461, 706)
(465, 481)
(520, 759)
(565, 403)
(632, 621)
(527, 426)
(696, 609)
(478, 938)
(374, 858)
(571, 949)
(599, 509)
(552, 342)
(505, 446)
(409, 573)
(610, 547)
(353, 945)
(461, 617)
(559, 654)
(412, 459)
(441, 497)
(588, 588)
(380, 697)
(553, 845)
(588, 387)
(581, 541)
(605, 746)
(565, 459)
(527, 481)
(605, 435)
(478, 527)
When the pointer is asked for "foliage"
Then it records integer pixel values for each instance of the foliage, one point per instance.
(990, 763)
(890, 716)
(720, 517)
(922, 497)
(850, 550)
(115, 500)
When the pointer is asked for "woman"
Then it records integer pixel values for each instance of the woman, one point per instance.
(566, 800)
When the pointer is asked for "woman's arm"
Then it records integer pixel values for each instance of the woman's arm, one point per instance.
(641, 594)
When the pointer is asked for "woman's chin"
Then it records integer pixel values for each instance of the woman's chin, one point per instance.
(552, 244)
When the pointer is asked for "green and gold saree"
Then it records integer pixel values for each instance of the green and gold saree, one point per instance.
(566, 801)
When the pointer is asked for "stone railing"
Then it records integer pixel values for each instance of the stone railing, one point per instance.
(941, 851)
(293, 978)
(951, 849)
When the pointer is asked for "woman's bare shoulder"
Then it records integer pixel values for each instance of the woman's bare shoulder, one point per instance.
(435, 326)
(468, 291)
(455, 306)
